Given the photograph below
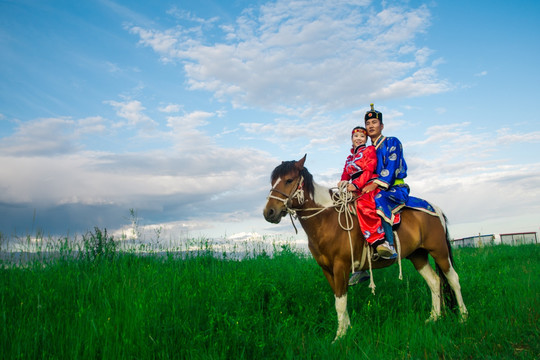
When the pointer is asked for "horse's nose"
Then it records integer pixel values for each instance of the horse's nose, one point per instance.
(268, 213)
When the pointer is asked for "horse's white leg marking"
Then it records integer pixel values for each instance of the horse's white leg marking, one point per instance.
(453, 280)
(343, 316)
(433, 282)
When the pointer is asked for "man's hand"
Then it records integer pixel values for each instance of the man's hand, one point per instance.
(369, 188)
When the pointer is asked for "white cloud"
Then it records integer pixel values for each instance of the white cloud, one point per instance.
(476, 190)
(459, 141)
(301, 135)
(470, 175)
(133, 112)
(440, 110)
(90, 125)
(147, 181)
(42, 137)
(422, 55)
(505, 136)
(112, 67)
(188, 176)
(162, 42)
(438, 133)
(186, 133)
(171, 108)
(455, 144)
(295, 56)
(196, 169)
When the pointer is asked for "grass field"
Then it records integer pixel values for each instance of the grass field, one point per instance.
(104, 303)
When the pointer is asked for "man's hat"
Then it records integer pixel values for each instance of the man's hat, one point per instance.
(373, 114)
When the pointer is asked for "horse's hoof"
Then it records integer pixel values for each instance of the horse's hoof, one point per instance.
(341, 333)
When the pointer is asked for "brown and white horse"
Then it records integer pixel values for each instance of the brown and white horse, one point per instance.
(420, 234)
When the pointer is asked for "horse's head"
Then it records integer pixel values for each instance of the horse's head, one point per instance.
(288, 183)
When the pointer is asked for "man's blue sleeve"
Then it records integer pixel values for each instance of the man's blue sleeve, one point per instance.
(391, 164)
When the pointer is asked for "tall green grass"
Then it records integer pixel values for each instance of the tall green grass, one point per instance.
(103, 303)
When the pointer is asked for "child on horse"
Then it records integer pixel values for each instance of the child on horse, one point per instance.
(359, 170)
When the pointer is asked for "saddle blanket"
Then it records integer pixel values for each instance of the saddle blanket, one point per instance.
(416, 204)
(413, 203)
(421, 204)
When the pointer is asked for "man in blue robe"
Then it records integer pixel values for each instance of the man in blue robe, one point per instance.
(394, 193)
(391, 170)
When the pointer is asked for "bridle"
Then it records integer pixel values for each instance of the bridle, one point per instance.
(340, 200)
(297, 192)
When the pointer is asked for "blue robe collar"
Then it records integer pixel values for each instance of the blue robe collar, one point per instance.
(378, 141)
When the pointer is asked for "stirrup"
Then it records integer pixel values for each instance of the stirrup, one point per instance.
(386, 251)
(358, 277)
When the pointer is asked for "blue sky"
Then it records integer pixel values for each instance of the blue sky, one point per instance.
(180, 110)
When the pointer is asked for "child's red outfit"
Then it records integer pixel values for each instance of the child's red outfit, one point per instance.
(359, 169)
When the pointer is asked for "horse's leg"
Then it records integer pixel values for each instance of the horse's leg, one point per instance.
(420, 261)
(442, 257)
(344, 321)
(453, 280)
(338, 281)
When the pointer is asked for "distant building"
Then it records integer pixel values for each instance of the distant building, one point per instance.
(519, 238)
(507, 239)
(474, 241)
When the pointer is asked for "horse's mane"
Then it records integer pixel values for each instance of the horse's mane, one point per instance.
(288, 167)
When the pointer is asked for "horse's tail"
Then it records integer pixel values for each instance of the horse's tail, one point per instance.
(448, 297)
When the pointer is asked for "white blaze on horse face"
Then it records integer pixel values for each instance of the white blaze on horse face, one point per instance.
(276, 183)
(270, 196)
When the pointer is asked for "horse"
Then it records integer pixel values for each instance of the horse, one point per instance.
(419, 235)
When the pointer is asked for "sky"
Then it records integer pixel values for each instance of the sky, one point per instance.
(171, 115)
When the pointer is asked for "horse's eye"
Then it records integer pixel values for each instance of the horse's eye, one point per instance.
(289, 181)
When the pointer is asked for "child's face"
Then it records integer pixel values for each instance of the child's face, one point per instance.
(358, 138)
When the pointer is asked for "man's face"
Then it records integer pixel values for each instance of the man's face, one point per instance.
(374, 128)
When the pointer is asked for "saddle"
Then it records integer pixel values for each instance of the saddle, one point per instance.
(351, 207)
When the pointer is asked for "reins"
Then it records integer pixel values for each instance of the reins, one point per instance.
(341, 200)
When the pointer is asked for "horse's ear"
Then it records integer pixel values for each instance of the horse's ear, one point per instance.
(300, 163)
